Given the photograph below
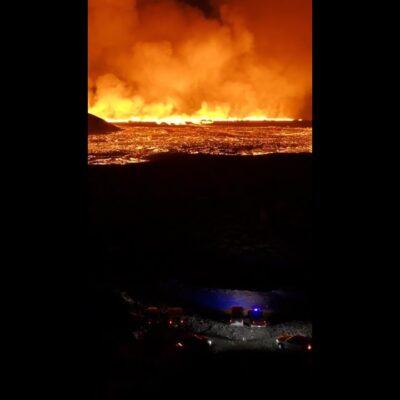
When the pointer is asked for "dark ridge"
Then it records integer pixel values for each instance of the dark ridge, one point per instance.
(238, 222)
(97, 125)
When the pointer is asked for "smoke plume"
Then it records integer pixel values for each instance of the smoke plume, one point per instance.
(160, 59)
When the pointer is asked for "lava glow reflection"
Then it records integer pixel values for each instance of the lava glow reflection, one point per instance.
(135, 144)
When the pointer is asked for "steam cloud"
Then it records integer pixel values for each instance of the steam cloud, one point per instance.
(153, 59)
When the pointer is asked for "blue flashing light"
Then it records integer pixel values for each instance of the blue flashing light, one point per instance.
(225, 299)
(256, 312)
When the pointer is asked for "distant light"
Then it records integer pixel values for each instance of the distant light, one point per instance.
(179, 344)
(209, 342)
(309, 347)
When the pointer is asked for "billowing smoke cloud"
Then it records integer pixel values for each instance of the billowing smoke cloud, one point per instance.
(154, 59)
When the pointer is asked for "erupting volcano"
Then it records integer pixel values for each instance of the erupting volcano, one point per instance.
(199, 191)
(178, 61)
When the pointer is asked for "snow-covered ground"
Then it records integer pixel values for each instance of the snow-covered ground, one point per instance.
(226, 337)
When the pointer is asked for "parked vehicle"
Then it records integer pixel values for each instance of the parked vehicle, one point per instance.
(294, 343)
(193, 343)
(237, 316)
(152, 316)
(175, 317)
(256, 318)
